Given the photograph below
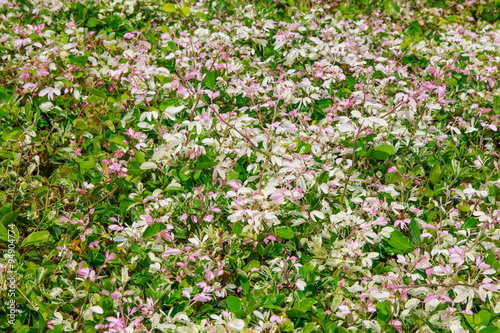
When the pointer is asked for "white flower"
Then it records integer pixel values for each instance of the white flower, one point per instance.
(88, 186)
(149, 115)
(381, 296)
(148, 166)
(171, 111)
(236, 325)
(50, 91)
(301, 284)
(46, 106)
(97, 309)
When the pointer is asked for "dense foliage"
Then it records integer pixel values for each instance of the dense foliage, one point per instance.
(235, 166)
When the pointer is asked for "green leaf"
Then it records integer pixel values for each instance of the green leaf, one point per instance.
(383, 152)
(185, 173)
(388, 7)
(383, 311)
(294, 312)
(153, 229)
(210, 80)
(245, 284)
(92, 22)
(490, 329)
(308, 327)
(451, 19)
(334, 305)
(169, 7)
(186, 11)
(206, 165)
(399, 243)
(234, 175)
(41, 191)
(435, 175)
(94, 99)
(96, 92)
(252, 264)
(4, 234)
(36, 237)
(139, 157)
(164, 28)
(476, 320)
(285, 233)
(323, 177)
(201, 15)
(237, 228)
(3, 93)
(323, 103)
(470, 222)
(287, 326)
(416, 27)
(9, 218)
(350, 81)
(305, 305)
(464, 208)
(415, 229)
(485, 317)
(234, 305)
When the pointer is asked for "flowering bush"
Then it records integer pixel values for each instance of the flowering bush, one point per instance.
(235, 166)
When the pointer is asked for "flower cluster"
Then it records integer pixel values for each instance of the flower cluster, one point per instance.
(224, 166)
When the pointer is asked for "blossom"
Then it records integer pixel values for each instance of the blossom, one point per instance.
(149, 115)
(344, 310)
(171, 111)
(301, 284)
(86, 273)
(50, 92)
(392, 169)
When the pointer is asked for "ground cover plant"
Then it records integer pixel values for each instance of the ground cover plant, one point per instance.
(241, 166)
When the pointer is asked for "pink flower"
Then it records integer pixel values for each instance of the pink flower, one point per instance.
(397, 325)
(392, 169)
(186, 294)
(132, 134)
(344, 310)
(212, 95)
(94, 244)
(21, 42)
(430, 298)
(170, 252)
(109, 256)
(277, 319)
(456, 256)
(442, 270)
(402, 223)
(115, 227)
(202, 297)
(486, 286)
(42, 72)
(86, 273)
(381, 221)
